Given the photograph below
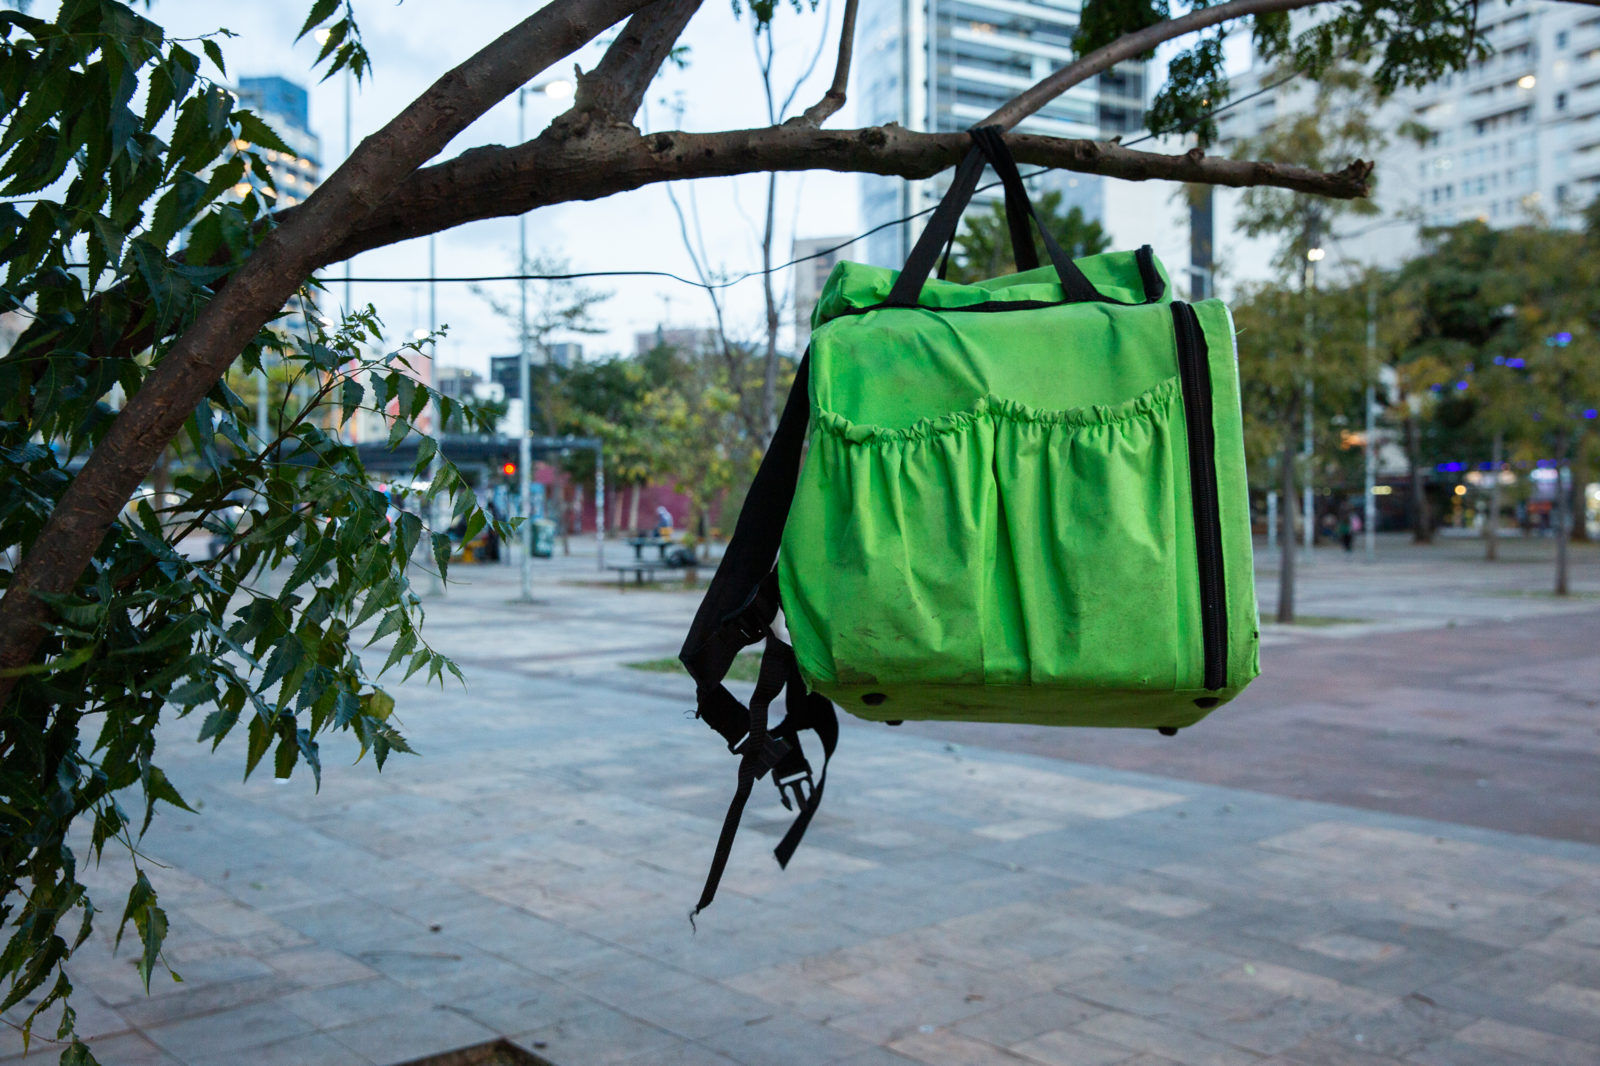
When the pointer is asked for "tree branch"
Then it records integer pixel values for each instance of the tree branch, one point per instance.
(1127, 47)
(279, 264)
(493, 181)
(616, 86)
(834, 98)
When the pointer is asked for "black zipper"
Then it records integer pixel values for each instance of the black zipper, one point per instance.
(1194, 369)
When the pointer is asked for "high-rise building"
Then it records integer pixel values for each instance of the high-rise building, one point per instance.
(1510, 140)
(814, 258)
(943, 65)
(283, 105)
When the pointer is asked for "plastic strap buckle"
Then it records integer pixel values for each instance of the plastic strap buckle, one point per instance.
(770, 754)
(801, 784)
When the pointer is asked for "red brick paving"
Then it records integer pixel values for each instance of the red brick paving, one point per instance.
(1492, 724)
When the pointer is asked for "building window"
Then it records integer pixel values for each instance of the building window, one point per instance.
(1561, 101)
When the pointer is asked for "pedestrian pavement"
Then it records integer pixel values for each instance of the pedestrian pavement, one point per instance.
(529, 875)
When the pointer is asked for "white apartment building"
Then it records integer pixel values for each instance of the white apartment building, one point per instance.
(942, 65)
(1511, 140)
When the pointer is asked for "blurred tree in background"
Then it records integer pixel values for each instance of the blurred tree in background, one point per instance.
(983, 246)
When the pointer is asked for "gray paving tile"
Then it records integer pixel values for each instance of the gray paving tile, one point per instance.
(785, 1038)
(601, 1036)
(358, 1001)
(228, 1032)
(309, 1049)
(953, 902)
(124, 1049)
(701, 1009)
(392, 1038)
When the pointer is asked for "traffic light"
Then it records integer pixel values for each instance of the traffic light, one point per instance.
(509, 469)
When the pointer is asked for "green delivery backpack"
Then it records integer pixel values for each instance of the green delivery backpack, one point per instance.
(1021, 500)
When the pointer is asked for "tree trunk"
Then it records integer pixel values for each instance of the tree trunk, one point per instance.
(1422, 520)
(1563, 515)
(1579, 533)
(633, 508)
(1286, 532)
(1491, 527)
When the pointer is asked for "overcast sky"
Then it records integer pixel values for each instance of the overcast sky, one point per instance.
(414, 42)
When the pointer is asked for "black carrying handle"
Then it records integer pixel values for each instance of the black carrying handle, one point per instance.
(988, 148)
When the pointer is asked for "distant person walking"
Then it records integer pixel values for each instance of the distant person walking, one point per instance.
(1347, 532)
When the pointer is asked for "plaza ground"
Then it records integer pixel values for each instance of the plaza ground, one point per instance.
(1386, 851)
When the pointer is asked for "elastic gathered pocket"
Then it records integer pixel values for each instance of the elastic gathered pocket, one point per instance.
(995, 546)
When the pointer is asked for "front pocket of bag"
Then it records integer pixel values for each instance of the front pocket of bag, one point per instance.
(1085, 587)
(882, 561)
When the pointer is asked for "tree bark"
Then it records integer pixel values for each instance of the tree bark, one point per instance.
(1491, 527)
(1579, 533)
(1421, 516)
(263, 284)
(834, 98)
(1129, 46)
(616, 86)
(499, 182)
(1563, 516)
(1286, 545)
(561, 166)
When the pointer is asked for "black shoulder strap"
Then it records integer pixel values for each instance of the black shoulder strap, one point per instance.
(729, 615)
(738, 610)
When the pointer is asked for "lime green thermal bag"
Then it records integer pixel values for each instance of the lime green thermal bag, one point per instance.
(1021, 500)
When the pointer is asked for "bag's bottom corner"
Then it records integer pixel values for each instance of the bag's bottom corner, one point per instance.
(1026, 704)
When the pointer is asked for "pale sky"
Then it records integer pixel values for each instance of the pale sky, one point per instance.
(414, 42)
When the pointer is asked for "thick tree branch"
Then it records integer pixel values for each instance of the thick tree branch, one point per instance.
(1127, 47)
(834, 98)
(616, 86)
(493, 182)
(283, 260)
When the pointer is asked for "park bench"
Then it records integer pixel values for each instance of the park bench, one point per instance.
(641, 569)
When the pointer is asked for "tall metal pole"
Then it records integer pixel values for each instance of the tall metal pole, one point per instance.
(435, 585)
(1369, 517)
(348, 80)
(600, 506)
(1308, 493)
(525, 389)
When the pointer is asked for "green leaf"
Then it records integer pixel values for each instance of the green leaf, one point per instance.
(157, 787)
(377, 704)
(308, 748)
(288, 752)
(347, 705)
(258, 133)
(320, 12)
(351, 393)
(408, 530)
(214, 53)
(441, 553)
(260, 741)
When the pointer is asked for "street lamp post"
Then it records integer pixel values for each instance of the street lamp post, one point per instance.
(556, 90)
(1369, 518)
(1307, 491)
(435, 583)
(524, 388)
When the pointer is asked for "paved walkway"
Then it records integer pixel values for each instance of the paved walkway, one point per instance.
(953, 905)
